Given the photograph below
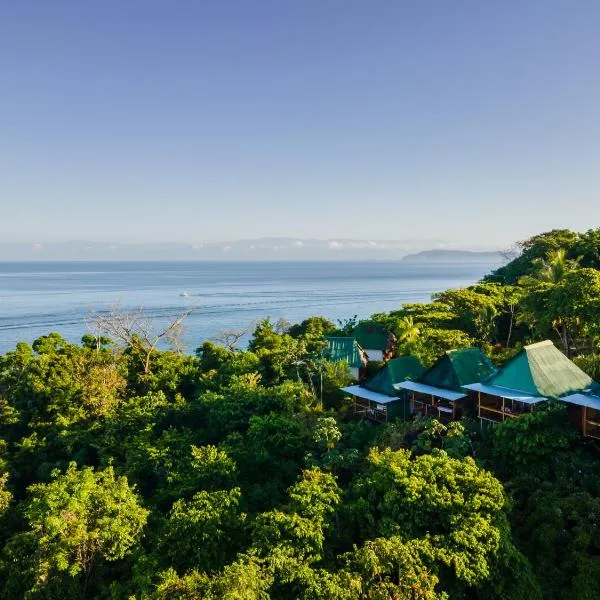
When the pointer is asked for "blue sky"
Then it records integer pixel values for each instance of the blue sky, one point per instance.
(475, 122)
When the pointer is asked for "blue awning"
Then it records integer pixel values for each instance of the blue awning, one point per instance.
(502, 392)
(361, 392)
(430, 390)
(588, 400)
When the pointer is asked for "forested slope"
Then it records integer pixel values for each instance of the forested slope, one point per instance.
(133, 472)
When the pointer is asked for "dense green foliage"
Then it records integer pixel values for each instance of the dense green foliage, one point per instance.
(241, 474)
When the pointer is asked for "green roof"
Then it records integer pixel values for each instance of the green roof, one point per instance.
(344, 348)
(373, 336)
(395, 371)
(542, 370)
(457, 368)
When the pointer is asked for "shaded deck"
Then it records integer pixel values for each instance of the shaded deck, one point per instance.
(498, 409)
(430, 406)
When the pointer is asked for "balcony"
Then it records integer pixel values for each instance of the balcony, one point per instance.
(370, 410)
(433, 407)
(498, 409)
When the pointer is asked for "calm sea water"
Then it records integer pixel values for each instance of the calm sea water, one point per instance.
(37, 298)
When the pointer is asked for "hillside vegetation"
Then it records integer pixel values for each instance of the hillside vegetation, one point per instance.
(129, 472)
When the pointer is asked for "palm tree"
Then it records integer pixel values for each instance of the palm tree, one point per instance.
(551, 269)
(408, 333)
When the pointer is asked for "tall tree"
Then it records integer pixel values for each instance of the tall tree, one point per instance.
(78, 522)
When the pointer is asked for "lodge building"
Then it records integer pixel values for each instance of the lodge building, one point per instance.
(465, 382)
(441, 391)
(378, 399)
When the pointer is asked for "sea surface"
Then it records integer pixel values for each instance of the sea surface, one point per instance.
(37, 298)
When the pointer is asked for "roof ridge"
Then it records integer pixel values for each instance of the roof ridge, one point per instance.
(539, 344)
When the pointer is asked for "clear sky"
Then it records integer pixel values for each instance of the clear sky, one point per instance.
(198, 120)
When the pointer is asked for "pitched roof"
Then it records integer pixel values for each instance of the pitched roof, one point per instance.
(395, 371)
(344, 348)
(542, 370)
(373, 336)
(457, 368)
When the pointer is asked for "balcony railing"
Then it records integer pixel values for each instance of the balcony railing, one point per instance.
(498, 410)
(370, 410)
(430, 406)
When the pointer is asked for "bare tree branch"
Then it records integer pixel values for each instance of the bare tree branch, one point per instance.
(510, 253)
(230, 338)
(134, 329)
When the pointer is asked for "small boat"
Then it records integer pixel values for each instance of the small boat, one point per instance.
(184, 294)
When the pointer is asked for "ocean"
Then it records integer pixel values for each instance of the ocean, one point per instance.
(37, 298)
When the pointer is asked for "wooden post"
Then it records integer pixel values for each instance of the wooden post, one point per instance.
(584, 420)
(503, 415)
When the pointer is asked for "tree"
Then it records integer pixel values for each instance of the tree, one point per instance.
(138, 332)
(452, 509)
(532, 439)
(408, 333)
(531, 251)
(570, 308)
(219, 366)
(475, 311)
(511, 297)
(451, 438)
(230, 338)
(203, 533)
(574, 306)
(586, 249)
(5, 495)
(245, 579)
(57, 382)
(326, 432)
(331, 377)
(77, 522)
(280, 355)
(313, 328)
(393, 568)
(434, 342)
(552, 269)
(269, 455)
(289, 542)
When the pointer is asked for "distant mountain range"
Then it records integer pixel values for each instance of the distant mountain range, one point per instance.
(247, 250)
(438, 256)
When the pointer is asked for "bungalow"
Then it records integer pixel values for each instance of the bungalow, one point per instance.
(379, 343)
(537, 373)
(346, 349)
(378, 399)
(441, 391)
